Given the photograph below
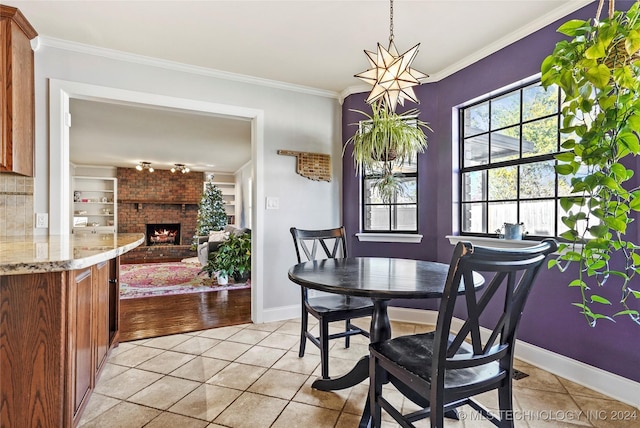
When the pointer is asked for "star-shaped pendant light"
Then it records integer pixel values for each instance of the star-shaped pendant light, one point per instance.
(391, 74)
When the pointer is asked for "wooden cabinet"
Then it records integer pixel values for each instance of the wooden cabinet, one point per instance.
(57, 329)
(16, 93)
(80, 340)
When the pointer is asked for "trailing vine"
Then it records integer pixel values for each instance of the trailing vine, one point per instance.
(598, 70)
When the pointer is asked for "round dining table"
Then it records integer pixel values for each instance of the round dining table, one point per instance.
(381, 279)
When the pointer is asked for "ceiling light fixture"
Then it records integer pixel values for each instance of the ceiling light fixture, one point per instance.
(180, 167)
(144, 165)
(391, 74)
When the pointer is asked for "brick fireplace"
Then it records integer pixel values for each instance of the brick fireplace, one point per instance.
(159, 198)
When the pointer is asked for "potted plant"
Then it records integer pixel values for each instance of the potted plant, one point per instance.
(599, 71)
(232, 258)
(384, 140)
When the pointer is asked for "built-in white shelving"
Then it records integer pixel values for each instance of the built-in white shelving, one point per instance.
(95, 204)
(228, 190)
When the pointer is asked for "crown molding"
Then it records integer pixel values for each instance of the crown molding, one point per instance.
(568, 7)
(177, 66)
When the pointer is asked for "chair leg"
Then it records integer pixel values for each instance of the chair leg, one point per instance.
(437, 411)
(324, 348)
(375, 390)
(346, 328)
(505, 401)
(303, 331)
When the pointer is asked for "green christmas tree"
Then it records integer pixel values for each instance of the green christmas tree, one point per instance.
(211, 212)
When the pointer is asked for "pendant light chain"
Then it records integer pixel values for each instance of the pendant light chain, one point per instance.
(391, 21)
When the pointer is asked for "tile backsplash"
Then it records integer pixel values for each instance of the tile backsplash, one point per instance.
(16, 205)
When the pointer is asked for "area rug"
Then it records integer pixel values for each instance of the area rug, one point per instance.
(161, 279)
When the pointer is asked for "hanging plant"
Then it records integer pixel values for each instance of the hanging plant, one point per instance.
(599, 72)
(385, 139)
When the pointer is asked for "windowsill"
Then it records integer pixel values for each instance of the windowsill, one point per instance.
(407, 238)
(492, 242)
(498, 243)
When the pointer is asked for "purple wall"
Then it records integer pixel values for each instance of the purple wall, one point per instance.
(549, 320)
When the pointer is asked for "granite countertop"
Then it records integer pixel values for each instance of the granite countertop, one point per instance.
(54, 253)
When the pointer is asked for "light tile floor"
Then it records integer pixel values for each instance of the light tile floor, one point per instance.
(250, 376)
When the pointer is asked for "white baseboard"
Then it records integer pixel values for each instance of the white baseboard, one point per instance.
(281, 313)
(609, 384)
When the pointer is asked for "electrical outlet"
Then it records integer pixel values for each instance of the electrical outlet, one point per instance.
(42, 250)
(42, 220)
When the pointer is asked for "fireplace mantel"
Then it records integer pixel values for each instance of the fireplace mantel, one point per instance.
(141, 202)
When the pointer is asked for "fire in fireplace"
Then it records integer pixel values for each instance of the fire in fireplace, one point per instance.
(163, 234)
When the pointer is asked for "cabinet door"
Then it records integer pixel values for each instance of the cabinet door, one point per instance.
(101, 313)
(81, 370)
(18, 96)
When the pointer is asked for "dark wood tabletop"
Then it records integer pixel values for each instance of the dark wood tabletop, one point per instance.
(376, 277)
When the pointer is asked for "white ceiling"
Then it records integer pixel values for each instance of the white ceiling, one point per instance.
(117, 135)
(311, 43)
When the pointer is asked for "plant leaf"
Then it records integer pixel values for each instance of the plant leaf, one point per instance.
(626, 312)
(595, 51)
(599, 299)
(566, 157)
(578, 283)
(599, 76)
(570, 28)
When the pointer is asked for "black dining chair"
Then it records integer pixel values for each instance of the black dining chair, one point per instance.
(327, 307)
(442, 370)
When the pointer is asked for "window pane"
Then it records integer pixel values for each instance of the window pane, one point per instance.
(505, 144)
(377, 217)
(473, 218)
(473, 186)
(405, 217)
(540, 137)
(476, 150)
(505, 110)
(476, 119)
(538, 217)
(538, 102)
(410, 193)
(501, 213)
(502, 183)
(561, 226)
(410, 166)
(538, 180)
(371, 195)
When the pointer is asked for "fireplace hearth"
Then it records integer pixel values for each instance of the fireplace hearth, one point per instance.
(163, 234)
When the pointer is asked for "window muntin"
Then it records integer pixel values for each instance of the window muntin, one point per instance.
(507, 145)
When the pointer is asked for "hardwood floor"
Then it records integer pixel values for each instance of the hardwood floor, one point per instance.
(162, 315)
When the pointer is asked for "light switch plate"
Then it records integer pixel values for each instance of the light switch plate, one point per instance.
(273, 203)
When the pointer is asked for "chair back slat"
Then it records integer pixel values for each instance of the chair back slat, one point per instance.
(512, 273)
(331, 241)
